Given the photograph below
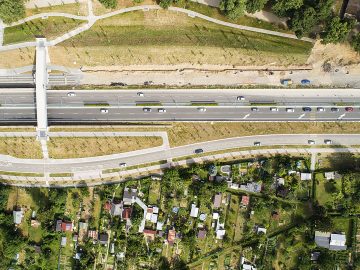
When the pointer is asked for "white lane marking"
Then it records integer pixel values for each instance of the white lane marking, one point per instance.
(341, 116)
(246, 116)
(301, 116)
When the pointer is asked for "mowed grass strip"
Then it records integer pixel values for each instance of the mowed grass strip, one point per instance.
(20, 147)
(78, 147)
(50, 28)
(166, 37)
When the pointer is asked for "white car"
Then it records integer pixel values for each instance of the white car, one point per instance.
(257, 143)
(162, 110)
(254, 109)
(290, 110)
(202, 109)
(274, 109)
(311, 142)
(140, 94)
(147, 109)
(122, 164)
(328, 141)
(71, 94)
(103, 110)
(240, 98)
(321, 109)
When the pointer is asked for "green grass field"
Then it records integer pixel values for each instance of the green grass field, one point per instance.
(165, 37)
(50, 28)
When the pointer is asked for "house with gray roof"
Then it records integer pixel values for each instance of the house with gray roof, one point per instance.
(252, 187)
(331, 241)
(129, 196)
(116, 209)
(18, 216)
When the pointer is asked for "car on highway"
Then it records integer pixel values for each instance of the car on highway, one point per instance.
(199, 151)
(306, 109)
(290, 110)
(140, 94)
(148, 83)
(147, 109)
(103, 110)
(240, 98)
(311, 142)
(122, 164)
(162, 110)
(274, 109)
(320, 109)
(71, 94)
(349, 109)
(201, 109)
(257, 143)
(305, 82)
(328, 141)
(254, 109)
(335, 109)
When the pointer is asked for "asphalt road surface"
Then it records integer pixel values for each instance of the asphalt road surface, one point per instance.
(96, 164)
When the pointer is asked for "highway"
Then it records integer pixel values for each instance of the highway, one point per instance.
(18, 105)
(96, 164)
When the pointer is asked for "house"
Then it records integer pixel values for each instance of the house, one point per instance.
(226, 169)
(332, 175)
(212, 170)
(305, 176)
(247, 266)
(194, 212)
(58, 225)
(252, 187)
(66, 226)
(149, 234)
(159, 226)
(217, 201)
(126, 214)
(83, 225)
(201, 234)
(152, 214)
(116, 209)
(331, 241)
(171, 237)
(215, 216)
(280, 182)
(18, 216)
(260, 230)
(245, 200)
(103, 238)
(202, 216)
(220, 232)
(129, 196)
(93, 234)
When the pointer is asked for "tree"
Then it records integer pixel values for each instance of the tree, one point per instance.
(109, 3)
(255, 5)
(11, 10)
(165, 3)
(282, 7)
(324, 9)
(303, 21)
(336, 30)
(355, 43)
(233, 8)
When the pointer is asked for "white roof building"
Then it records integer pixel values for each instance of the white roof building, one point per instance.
(305, 176)
(194, 212)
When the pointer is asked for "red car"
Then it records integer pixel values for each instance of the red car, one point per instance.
(349, 109)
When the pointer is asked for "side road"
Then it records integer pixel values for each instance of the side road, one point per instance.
(121, 176)
(91, 19)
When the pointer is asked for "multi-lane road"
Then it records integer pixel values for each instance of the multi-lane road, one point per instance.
(18, 105)
(97, 164)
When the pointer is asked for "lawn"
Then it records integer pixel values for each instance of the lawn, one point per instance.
(326, 190)
(151, 38)
(20, 147)
(76, 8)
(232, 217)
(50, 28)
(77, 147)
(154, 193)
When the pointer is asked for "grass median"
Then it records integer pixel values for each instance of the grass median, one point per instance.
(20, 147)
(78, 147)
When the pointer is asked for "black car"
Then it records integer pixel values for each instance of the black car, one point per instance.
(306, 109)
(335, 109)
(199, 151)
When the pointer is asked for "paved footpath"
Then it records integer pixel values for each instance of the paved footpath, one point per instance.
(91, 19)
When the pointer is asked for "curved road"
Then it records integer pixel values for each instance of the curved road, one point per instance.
(95, 165)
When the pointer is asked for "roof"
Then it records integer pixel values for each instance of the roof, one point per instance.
(315, 256)
(129, 195)
(220, 234)
(245, 200)
(201, 234)
(126, 214)
(194, 212)
(322, 239)
(18, 215)
(107, 206)
(63, 241)
(66, 226)
(58, 225)
(217, 200)
(252, 187)
(146, 231)
(159, 225)
(103, 237)
(116, 209)
(171, 236)
(225, 169)
(83, 225)
(337, 242)
(93, 234)
(305, 176)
